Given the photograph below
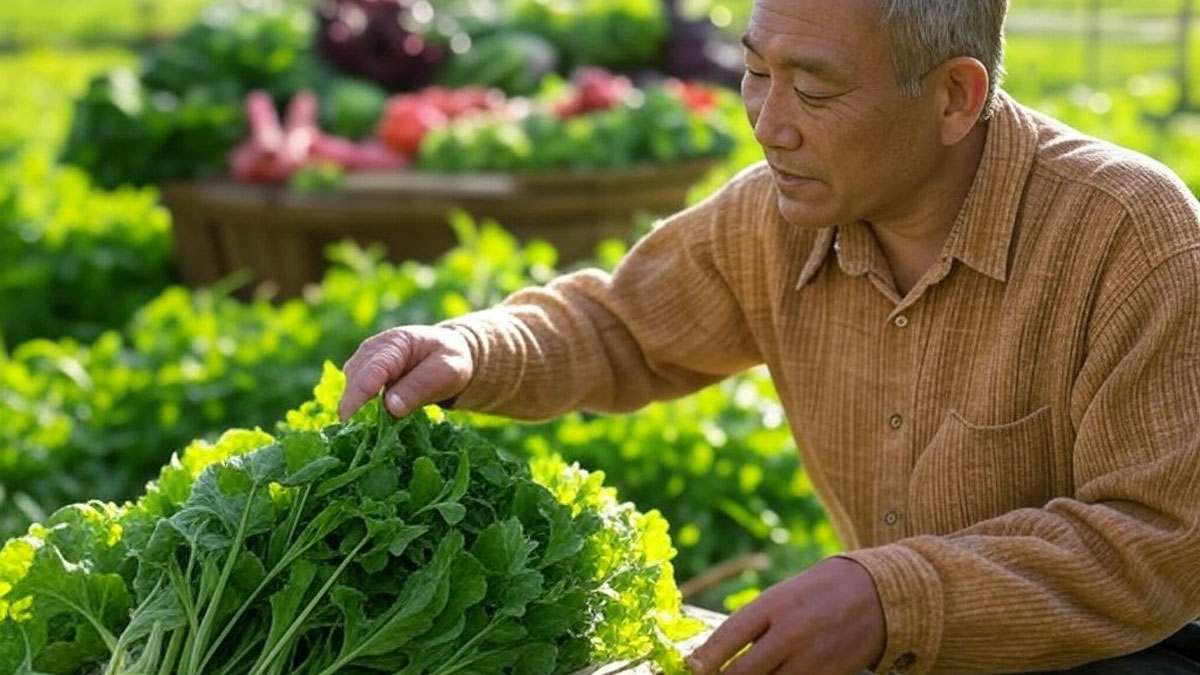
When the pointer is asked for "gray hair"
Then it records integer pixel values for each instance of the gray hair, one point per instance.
(926, 33)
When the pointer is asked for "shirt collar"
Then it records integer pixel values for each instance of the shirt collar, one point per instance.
(983, 231)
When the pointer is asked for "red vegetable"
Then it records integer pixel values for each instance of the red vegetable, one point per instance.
(273, 152)
(696, 97)
(408, 117)
(355, 156)
(595, 89)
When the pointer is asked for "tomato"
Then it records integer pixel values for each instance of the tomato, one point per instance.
(406, 120)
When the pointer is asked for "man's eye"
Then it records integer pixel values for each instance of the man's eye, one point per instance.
(812, 98)
(755, 73)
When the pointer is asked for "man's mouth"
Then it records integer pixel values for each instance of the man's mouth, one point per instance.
(790, 177)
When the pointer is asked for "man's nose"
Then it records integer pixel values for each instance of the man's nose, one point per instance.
(778, 117)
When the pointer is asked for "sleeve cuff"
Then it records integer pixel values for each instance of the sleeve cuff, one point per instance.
(911, 596)
(488, 380)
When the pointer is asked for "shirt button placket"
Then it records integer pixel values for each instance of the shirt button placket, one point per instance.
(896, 423)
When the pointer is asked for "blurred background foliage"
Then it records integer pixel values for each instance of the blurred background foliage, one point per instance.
(107, 365)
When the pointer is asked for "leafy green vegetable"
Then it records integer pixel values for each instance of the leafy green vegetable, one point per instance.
(654, 127)
(411, 546)
(181, 112)
(618, 34)
(511, 60)
(351, 107)
(90, 421)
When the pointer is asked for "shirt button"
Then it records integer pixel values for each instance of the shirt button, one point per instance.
(896, 421)
(901, 321)
(891, 518)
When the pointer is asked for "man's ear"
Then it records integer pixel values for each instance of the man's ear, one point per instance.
(962, 91)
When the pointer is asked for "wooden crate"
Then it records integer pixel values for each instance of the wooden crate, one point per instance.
(278, 235)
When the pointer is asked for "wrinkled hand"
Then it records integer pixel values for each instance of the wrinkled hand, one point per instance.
(825, 621)
(417, 364)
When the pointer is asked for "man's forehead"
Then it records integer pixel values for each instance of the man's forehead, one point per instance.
(821, 12)
(795, 58)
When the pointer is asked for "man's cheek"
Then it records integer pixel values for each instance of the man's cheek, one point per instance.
(752, 99)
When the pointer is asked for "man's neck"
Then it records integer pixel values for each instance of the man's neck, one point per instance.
(912, 244)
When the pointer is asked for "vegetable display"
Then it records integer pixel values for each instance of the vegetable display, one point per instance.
(404, 546)
(355, 78)
(599, 120)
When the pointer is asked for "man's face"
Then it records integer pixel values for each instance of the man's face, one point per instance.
(821, 94)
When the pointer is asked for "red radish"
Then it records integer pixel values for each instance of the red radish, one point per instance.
(365, 156)
(274, 151)
(270, 154)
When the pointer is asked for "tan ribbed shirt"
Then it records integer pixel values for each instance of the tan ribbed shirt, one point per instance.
(1012, 449)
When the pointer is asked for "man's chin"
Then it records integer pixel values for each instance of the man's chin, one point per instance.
(803, 214)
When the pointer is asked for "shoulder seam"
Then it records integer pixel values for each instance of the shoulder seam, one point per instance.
(1102, 323)
(1127, 207)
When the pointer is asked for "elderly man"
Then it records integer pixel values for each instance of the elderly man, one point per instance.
(983, 325)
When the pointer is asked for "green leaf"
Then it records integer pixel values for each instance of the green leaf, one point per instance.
(565, 541)
(322, 410)
(503, 548)
(462, 478)
(549, 620)
(381, 483)
(15, 648)
(519, 590)
(423, 596)
(426, 482)
(468, 589)
(79, 611)
(452, 513)
(538, 658)
(162, 611)
(403, 536)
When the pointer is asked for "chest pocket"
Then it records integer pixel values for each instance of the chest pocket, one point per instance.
(969, 472)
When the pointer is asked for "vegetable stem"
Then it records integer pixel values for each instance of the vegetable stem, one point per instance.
(214, 603)
(299, 620)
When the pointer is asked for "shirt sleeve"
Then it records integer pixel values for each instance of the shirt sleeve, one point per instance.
(1109, 571)
(665, 323)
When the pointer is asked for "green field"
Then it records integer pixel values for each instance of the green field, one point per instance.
(65, 21)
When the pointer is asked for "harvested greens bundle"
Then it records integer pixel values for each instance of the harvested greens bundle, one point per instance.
(377, 545)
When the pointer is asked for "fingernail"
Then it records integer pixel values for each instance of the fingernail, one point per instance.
(694, 664)
(395, 404)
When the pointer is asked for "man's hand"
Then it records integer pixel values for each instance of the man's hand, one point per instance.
(417, 364)
(825, 621)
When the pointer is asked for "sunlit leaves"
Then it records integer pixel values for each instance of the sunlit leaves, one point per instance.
(344, 546)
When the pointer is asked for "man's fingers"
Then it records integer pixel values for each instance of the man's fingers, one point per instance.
(416, 364)
(739, 630)
(378, 361)
(432, 380)
(764, 658)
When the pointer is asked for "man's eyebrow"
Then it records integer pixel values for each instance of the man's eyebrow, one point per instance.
(817, 67)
